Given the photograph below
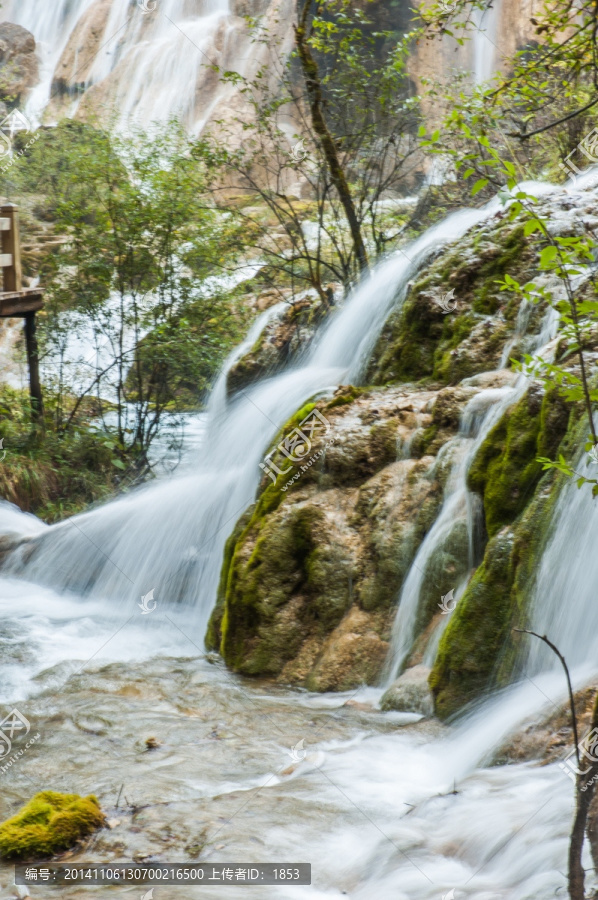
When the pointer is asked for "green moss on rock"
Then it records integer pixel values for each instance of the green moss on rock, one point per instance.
(505, 470)
(421, 342)
(48, 823)
(477, 651)
(292, 580)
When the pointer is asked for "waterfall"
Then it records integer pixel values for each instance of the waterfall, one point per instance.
(459, 505)
(51, 24)
(147, 65)
(170, 536)
(385, 812)
(480, 415)
(564, 603)
(485, 41)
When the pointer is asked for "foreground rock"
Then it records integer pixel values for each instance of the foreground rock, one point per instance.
(410, 693)
(314, 570)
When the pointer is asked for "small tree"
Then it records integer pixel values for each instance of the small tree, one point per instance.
(129, 278)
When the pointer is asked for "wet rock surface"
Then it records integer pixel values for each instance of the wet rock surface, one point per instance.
(287, 335)
(410, 692)
(313, 576)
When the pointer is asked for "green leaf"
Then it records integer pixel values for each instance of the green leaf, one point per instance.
(478, 186)
(547, 256)
(531, 226)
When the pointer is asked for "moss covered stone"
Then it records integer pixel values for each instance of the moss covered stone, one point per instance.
(286, 577)
(505, 470)
(310, 574)
(49, 823)
(477, 651)
(420, 341)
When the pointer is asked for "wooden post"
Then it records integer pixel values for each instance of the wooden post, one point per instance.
(11, 245)
(35, 388)
(13, 281)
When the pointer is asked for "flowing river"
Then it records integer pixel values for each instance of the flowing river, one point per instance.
(382, 805)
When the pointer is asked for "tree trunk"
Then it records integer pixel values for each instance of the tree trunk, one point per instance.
(592, 829)
(576, 872)
(314, 92)
(585, 788)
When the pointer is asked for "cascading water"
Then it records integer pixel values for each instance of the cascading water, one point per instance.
(485, 50)
(170, 537)
(481, 414)
(147, 61)
(459, 506)
(564, 602)
(51, 25)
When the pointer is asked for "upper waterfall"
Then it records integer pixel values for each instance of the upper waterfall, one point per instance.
(143, 61)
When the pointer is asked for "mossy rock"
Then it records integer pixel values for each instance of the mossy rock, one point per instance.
(505, 470)
(49, 823)
(477, 631)
(285, 577)
(420, 342)
(342, 538)
(477, 652)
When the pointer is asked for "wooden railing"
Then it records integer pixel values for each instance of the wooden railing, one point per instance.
(16, 302)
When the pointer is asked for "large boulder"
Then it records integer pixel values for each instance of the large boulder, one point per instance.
(19, 69)
(313, 571)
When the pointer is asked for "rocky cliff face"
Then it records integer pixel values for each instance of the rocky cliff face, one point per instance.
(314, 570)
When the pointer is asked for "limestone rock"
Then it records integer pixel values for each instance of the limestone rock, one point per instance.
(410, 693)
(19, 69)
(287, 334)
